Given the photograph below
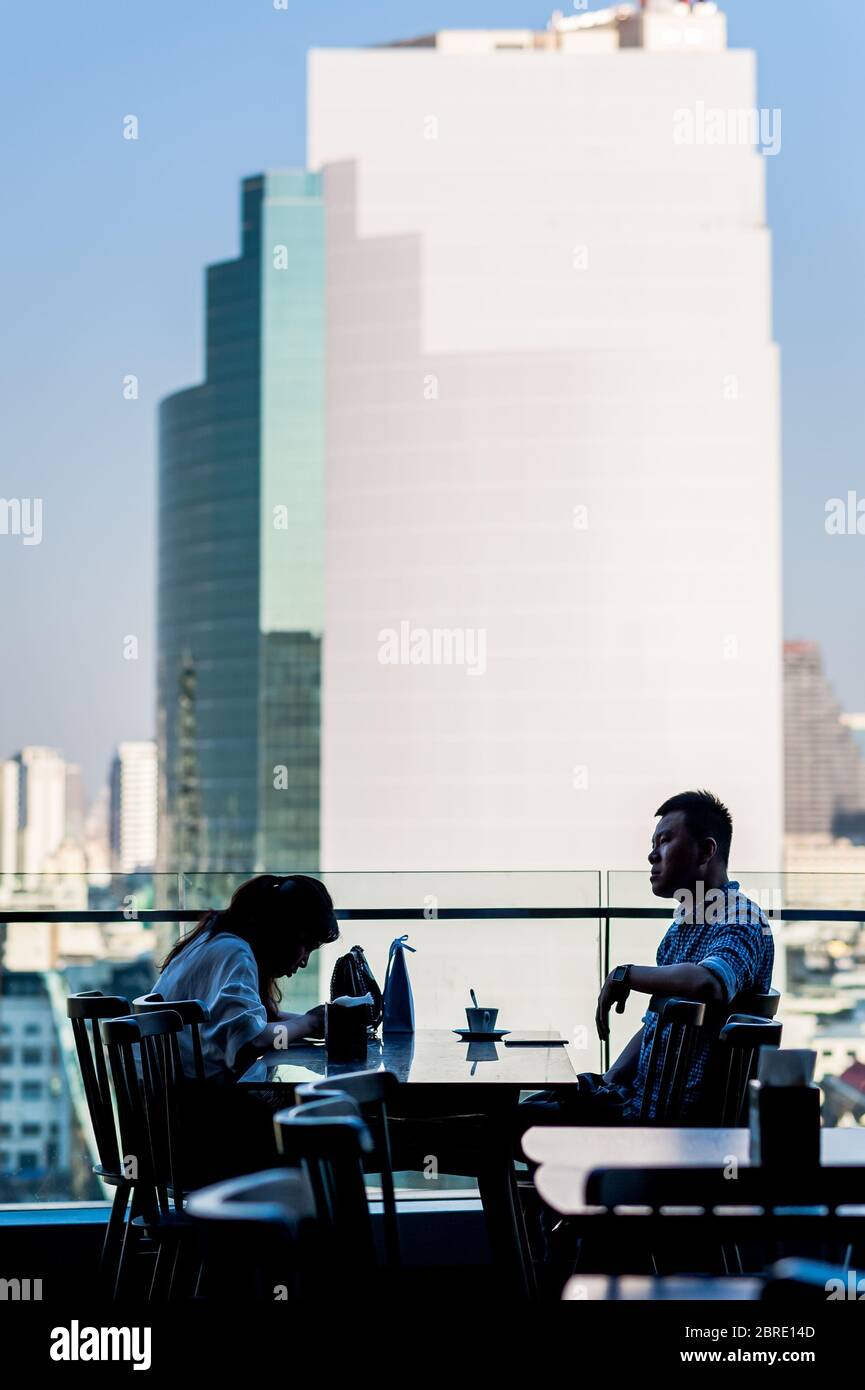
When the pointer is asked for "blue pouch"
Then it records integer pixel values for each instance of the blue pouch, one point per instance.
(397, 999)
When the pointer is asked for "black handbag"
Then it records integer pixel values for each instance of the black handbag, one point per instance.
(352, 976)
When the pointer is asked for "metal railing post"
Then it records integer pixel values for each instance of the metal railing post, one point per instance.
(605, 966)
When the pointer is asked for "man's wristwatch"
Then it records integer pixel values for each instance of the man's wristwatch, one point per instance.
(622, 976)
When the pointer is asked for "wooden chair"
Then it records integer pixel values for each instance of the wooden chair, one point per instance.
(688, 1211)
(258, 1233)
(747, 1002)
(372, 1092)
(738, 1052)
(730, 1063)
(147, 1079)
(86, 1011)
(673, 1043)
(329, 1140)
(193, 1012)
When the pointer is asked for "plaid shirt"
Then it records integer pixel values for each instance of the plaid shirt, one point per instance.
(734, 942)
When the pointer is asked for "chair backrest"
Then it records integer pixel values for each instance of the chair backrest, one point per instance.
(709, 1188)
(755, 1005)
(259, 1236)
(713, 1105)
(85, 1012)
(678, 1023)
(147, 1077)
(739, 1044)
(748, 1002)
(371, 1092)
(194, 1012)
(328, 1139)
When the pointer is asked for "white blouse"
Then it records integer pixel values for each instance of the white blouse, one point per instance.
(221, 971)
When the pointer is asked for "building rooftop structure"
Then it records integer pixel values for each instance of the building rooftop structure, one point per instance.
(657, 25)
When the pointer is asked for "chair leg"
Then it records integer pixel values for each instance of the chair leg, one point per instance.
(112, 1245)
(523, 1241)
(391, 1221)
(166, 1286)
(186, 1270)
(130, 1244)
(497, 1185)
(178, 1266)
(127, 1251)
(158, 1280)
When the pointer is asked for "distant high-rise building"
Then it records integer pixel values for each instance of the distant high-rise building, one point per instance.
(9, 777)
(133, 806)
(75, 807)
(823, 767)
(856, 724)
(240, 554)
(553, 472)
(41, 806)
(35, 1116)
(97, 837)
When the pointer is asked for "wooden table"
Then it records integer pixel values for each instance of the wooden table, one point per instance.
(567, 1154)
(438, 1066)
(456, 1101)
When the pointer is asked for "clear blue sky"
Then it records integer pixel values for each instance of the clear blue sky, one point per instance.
(105, 241)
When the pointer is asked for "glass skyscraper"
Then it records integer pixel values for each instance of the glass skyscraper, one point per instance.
(240, 554)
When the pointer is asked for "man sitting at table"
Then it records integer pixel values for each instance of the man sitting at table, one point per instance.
(719, 944)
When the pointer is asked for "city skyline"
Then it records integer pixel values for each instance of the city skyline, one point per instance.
(115, 506)
(431, 447)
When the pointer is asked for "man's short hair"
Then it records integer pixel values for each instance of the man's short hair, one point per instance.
(706, 817)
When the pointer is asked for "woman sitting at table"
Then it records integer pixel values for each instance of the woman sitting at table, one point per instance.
(232, 961)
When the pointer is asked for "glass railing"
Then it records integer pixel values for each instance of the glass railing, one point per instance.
(529, 944)
(532, 944)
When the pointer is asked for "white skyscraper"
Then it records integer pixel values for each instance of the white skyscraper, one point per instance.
(9, 776)
(134, 806)
(553, 475)
(41, 806)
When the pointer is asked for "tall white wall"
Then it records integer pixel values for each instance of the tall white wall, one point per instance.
(552, 417)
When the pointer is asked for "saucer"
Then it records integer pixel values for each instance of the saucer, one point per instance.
(493, 1036)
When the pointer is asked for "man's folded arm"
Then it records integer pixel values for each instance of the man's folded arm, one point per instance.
(684, 981)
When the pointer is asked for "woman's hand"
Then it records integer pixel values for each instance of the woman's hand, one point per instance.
(315, 1021)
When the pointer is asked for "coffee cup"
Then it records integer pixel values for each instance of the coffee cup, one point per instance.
(481, 1020)
(345, 1029)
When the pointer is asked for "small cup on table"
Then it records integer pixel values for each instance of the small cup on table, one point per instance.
(481, 1020)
